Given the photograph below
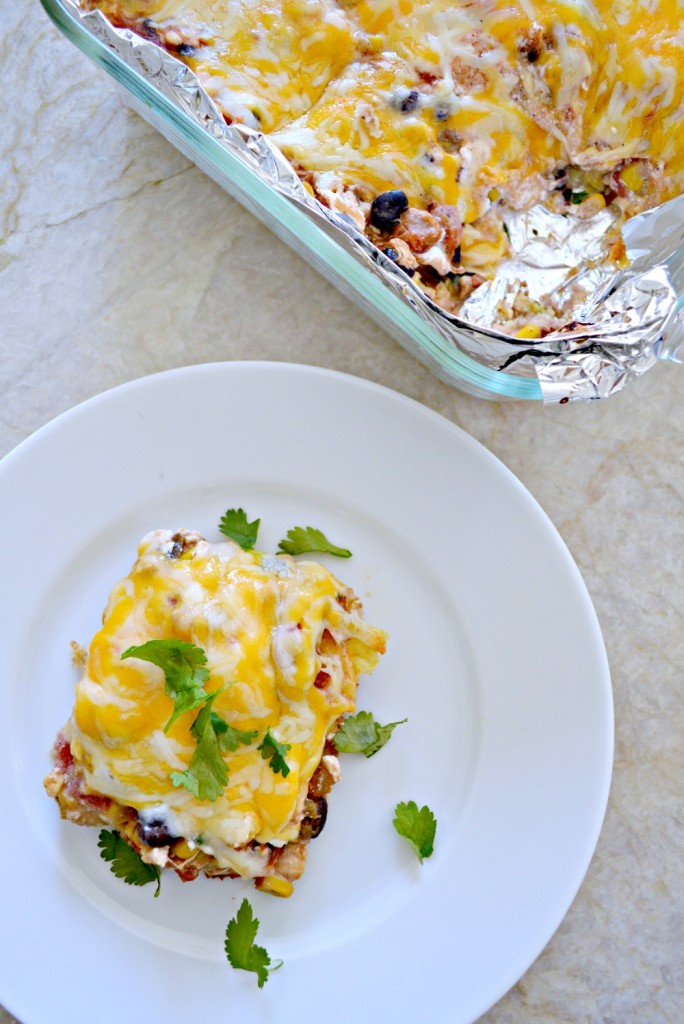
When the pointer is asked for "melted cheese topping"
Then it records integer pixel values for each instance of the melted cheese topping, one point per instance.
(263, 62)
(262, 623)
(479, 104)
(524, 84)
(505, 93)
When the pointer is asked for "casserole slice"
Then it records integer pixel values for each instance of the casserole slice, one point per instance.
(231, 777)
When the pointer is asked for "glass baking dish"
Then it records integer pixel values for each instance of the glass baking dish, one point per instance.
(435, 348)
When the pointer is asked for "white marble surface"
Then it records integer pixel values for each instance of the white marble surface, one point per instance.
(118, 258)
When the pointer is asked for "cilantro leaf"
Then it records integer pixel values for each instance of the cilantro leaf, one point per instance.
(184, 670)
(307, 538)
(578, 197)
(418, 826)
(361, 734)
(125, 862)
(206, 775)
(234, 525)
(228, 736)
(240, 949)
(273, 751)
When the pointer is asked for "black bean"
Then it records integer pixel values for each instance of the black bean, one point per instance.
(155, 832)
(409, 102)
(387, 208)
(316, 813)
(393, 255)
(149, 30)
(185, 50)
(532, 55)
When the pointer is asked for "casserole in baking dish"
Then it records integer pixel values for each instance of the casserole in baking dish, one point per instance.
(428, 122)
(423, 193)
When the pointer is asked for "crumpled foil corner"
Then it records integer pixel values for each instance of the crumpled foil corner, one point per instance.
(617, 330)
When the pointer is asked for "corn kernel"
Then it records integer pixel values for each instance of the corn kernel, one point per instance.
(618, 254)
(529, 331)
(275, 886)
(470, 212)
(182, 850)
(632, 177)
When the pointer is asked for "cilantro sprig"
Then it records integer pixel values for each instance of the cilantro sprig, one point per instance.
(361, 734)
(274, 752)
(207, 774)
(240, 949)
(417, 825)
(234, 524)
(229, 738)
(307, 538)
(185, 674)
(125, 862)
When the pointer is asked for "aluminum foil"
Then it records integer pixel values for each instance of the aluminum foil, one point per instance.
(622, 324)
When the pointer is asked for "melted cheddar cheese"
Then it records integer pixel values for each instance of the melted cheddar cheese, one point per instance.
(488, 106)
(271, 629)
(264, 63)
(506, 93)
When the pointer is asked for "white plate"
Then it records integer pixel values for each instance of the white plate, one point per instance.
(495, 656)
